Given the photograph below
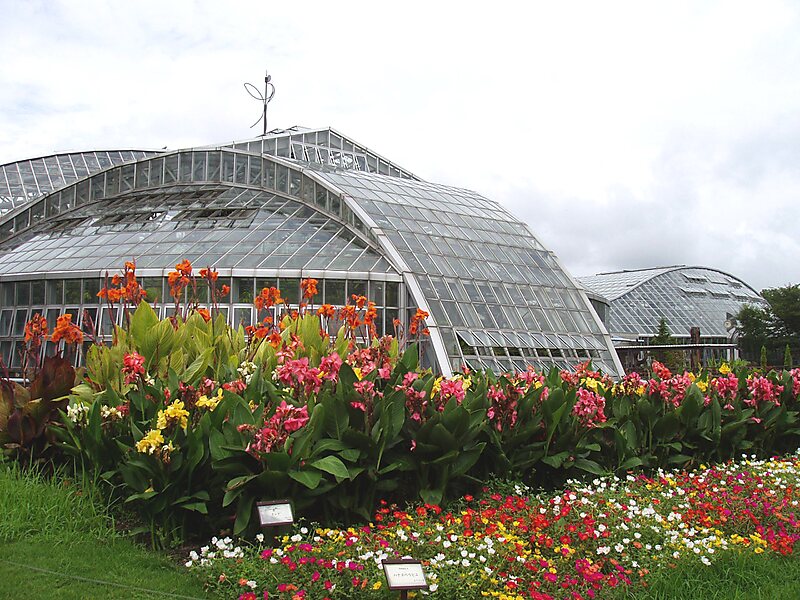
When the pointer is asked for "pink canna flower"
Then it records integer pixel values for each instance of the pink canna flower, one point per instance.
(589, 408)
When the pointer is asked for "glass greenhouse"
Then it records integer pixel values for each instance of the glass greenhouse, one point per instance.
(684, 296)
(295, 203)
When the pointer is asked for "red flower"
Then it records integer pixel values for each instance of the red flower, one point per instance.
(133, 366)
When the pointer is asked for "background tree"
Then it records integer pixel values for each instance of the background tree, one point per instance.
(673, 359)
(773, 327)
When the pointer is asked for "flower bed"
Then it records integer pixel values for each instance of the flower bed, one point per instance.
(577, 543)
(192, 421)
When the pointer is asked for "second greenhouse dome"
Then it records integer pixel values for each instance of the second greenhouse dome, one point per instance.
(295, 203)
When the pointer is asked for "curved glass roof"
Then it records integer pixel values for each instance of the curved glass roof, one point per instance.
(498, 297)
(684, 296)
(280, 205)
(27, 179)
(211, 225)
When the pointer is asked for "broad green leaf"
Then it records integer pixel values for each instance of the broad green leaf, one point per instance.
(143, 320)
(332, 465)
(307, 477)
(589, 466)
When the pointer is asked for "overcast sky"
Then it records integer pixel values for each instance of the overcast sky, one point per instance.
(627, 134)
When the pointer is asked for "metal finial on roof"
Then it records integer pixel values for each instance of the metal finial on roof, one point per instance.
(269, 92)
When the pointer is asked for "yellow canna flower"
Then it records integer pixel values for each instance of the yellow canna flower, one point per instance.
(175, 413)
(151, 442)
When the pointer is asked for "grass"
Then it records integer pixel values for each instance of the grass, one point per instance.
(731, 577)
(59, 541)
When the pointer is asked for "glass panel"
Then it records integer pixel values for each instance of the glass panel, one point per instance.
(199, 166)
(142, 175)
(72, 291)
(357, 287)
(185, 167)
(90, 289)
(376, 292)
(227, 167)
(240, 176)
(107, 319)
(89, 320)
(152, 286)
(242, 291)
(290, 290)
(6, 317)
(20, 320)
(270, 178)
(392, 293)
(295, 180)
(55, 291)
(255, 171)
(23, 293)
(213, 166)
(19, 348)
(242, 316)
(334, 291)
(282, 179)
(265, 282)
(7, 293)
(37, 292)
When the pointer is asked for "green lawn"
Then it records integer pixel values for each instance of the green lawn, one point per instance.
(58, 542)
(735, 577)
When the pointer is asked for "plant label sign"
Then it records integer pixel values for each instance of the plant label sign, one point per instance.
(275, 512)
(404, 574)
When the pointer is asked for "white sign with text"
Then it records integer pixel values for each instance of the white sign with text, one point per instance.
(275, 513)
(404, 575)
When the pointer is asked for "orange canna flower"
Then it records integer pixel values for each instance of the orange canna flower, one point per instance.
(36, 329)
(416, 320)
(224, 290)
(66, 330)
(203, 312)
(309, 287)
(210, 274)
(268, 297)
(184, 267)
(371, 314)
(275, 339)
(327, 310)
